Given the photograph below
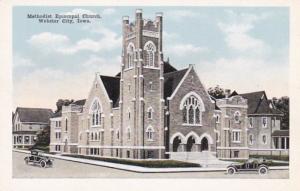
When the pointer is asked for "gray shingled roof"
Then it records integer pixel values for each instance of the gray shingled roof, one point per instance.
(79, 102)
(36, 115)
(56, 114)
(167, 68)
(171, 75)
(172, 79)
(112, 87)
(258, 103)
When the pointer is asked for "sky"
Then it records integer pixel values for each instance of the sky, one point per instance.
(239, 48)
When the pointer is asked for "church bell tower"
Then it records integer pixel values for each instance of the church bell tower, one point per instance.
(141, 87)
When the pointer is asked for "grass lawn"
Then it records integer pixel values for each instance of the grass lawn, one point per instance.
(142, 163)
(43, 148)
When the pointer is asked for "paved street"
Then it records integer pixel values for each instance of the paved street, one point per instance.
(68, 169)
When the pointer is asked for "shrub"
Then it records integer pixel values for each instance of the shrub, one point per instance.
(142, 163)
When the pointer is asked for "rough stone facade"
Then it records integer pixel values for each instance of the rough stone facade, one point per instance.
(233, 128)
(152, 110)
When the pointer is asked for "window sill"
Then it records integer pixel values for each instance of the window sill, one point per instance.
(236, 141)
(194, 125)
(152, 67)
(96, 126)
(127, 69)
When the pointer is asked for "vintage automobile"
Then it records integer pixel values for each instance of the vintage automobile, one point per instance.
(259, 166)
(36, 157)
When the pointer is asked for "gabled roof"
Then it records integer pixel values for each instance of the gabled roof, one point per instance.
(172, 79)
(168, 67)
(36, 115)
(56, 114)
(112, 87)
(258, 103)
(79, 102)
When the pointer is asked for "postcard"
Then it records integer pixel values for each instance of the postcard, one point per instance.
(111, 92)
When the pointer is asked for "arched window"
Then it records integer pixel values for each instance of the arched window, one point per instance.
(96, 136)
(130, 55)
(96, 113)
(217, 118)
(264, 139)
(80, 135)
(237, 116)
(128, 133)
(150, 133)
(118, 134)
(251, 139)
(150, 113)
(92, 136)
(192, 108)
(150, 54)
(191, 115)
(66, 124)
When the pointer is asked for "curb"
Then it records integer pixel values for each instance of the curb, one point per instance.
(138, 168)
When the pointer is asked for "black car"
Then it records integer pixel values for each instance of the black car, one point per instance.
(259, 166)
(36, 157)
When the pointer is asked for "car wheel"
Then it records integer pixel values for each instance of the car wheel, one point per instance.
(230, 170)
(263, 170)
(43, 164)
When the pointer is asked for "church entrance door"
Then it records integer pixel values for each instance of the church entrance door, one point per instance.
(190, 144)
(176, 144)
(204, 144)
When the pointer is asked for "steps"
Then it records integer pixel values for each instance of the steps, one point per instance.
(205, 158)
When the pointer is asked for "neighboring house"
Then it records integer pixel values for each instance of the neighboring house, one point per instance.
(264, 124)
(64, 128)
(26, 123)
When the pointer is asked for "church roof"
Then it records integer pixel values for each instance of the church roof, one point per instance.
(171, 75)
(259, 104)
(36, 115)
(167, 68)
(172, 79)
(112, 87)
(79, 102)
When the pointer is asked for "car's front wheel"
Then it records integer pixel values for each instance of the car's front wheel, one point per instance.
(263, 170)
(43, 164)
(230, 170)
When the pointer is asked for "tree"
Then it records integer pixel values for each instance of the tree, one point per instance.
(283, 105)
(43, 138)
(62, 102)
(217, 92)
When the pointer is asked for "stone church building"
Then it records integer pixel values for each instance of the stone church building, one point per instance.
(151, 109)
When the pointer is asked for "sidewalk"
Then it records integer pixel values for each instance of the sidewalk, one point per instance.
(138, 168)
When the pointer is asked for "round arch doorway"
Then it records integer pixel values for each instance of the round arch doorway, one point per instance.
(190, 146)
(204, 144)
(176, 144)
